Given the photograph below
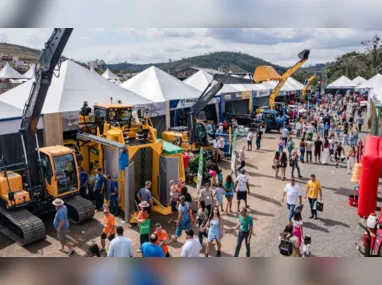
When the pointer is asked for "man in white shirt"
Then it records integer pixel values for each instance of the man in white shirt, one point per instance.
(221, 146)
(192, 246)
(242, 186)
(293, 193)
(216, 145)
(120, 246)
(284, 134)
(298, 129)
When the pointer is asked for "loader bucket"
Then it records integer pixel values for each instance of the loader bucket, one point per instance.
(304, 55)
(160, 209)
(133, 218)
(265, 73)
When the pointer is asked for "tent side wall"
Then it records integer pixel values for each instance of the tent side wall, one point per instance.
(159, 124)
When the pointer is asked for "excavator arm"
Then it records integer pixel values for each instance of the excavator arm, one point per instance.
(205, 98)
(45, 68)
(268, 73)
(303, 93)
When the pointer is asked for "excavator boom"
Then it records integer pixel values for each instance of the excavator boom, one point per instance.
(303, 93)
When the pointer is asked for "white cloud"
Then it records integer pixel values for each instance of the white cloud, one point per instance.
(279, 46)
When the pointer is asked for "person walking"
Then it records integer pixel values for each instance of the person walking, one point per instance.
(339, 150)
(317, 149)
(242, 158)
(201, 221)
(360, 122)
(219, 196)
(151, 249)
(229, 185)
(191, 247)
(144, 195)
(276, 163)
(287, 235)
(285, 134)
(114, 209)
(83, 183)
(215, 231)
(302, 150)
(298, 128)
(281, 144)
(283, 165)
(163, 239)
(325, 152)
(206, 196)
(290, 146)
(120, 246)
(99, 189)
(297, 226)
(61, 224)
(213, 171)
(184, 218)
(242, 187)
(293, 194)
(351, 159)
(309, 150)
(143, 223)
(249, 140)
(108, 229)
(313, 189)
(245, 226)
(258, 140)
(359, 150)
(294, 164)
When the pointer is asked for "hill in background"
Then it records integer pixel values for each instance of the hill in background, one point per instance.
(24, 53)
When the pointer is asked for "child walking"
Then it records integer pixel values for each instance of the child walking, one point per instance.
(219, 195)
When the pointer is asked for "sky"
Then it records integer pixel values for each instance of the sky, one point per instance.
(151, 45)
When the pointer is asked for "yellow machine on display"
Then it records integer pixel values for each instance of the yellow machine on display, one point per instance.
(29, 184)
(303, 93)
(118, 131)
(266, 73)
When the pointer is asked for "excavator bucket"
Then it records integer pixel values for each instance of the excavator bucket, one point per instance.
(265, 73)
(304, 55)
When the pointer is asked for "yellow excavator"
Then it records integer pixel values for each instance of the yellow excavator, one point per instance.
(303, 93)
(29, 184)
(118, 130)
(266, 73)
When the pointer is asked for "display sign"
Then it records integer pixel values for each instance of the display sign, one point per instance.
(246, 94)
(227, 97)
(233, 155)
(238, 96)
(200, 170)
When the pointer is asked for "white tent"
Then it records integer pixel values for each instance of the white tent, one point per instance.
(159, 86)
(271, 84)
(31, 72)
(109, 75)
(9, 73)
(295, 84)
(199, 80)
(374, 82)
(358, 80)
(342, 83)
(249, 87)
(68, 91)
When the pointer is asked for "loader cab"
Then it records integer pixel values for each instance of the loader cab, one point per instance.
(113, 114)
(60, 170)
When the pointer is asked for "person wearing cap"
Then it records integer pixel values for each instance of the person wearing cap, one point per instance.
(192, 246)
(143, 215)
(242, 186)
(61, 224)
(120, 246)
(108, 230)
(83, 182)
(184, 218)
(162, 238)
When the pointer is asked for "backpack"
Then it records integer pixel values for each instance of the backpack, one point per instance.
(286, 247)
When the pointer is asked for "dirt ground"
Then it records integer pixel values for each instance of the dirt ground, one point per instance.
(333, 234)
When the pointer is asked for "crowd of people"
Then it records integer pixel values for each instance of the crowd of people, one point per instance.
(329, 132)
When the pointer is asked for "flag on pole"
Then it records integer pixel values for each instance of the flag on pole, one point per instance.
(233, 155)
(200, 170)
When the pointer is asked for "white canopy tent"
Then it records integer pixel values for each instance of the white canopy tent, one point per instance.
(271, 84)
(295, 84)
(9, 73)
(359, 80)
(31, 72)
(342, 83)
(199, 80)
(160, 86)
(68, 91)
(109, 75)
(374, 82)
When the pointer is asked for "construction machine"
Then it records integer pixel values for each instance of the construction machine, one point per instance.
(195, 135)
(28, 185)
(266, 73)
(303, 93)
(118, 130)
